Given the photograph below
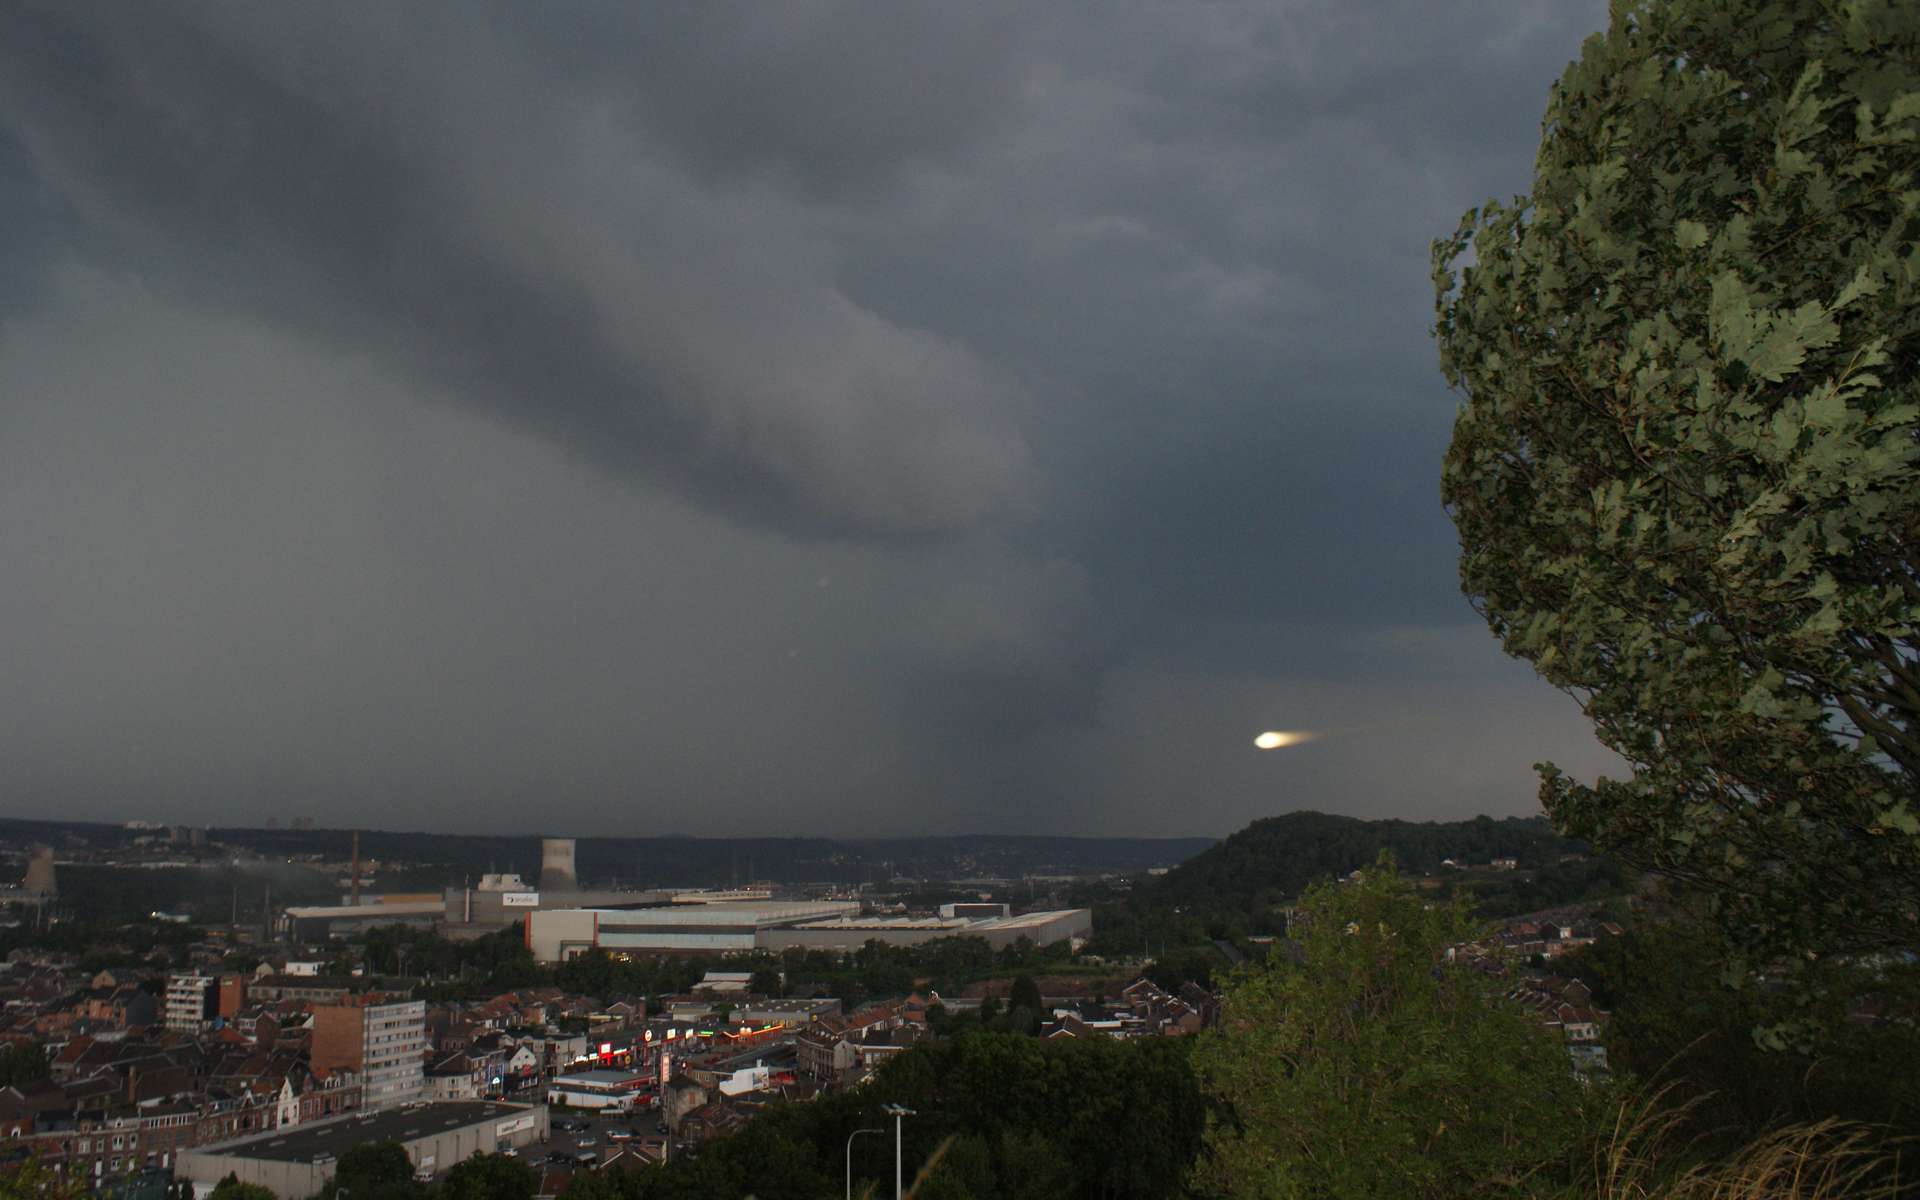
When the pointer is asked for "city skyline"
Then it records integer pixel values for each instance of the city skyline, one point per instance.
(949, 420)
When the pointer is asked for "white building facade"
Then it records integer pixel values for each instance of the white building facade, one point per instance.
(395, 1054)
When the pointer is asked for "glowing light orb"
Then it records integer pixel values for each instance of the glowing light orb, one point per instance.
(1274, 739)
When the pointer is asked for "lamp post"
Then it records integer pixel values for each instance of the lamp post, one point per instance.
(856, 1133)
(896, 1111)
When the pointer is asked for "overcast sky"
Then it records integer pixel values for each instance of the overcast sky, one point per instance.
(787, 418)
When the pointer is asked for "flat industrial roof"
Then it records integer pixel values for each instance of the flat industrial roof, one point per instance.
(959, 925)
(1027, 919)
(602, 1076)
(726, 912)
(347, 912)
(304, 1143)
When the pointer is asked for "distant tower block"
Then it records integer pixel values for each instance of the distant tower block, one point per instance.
(40, 881)
(556, 865)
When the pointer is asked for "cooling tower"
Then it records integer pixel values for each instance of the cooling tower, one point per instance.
(39, 880)
(556, 865)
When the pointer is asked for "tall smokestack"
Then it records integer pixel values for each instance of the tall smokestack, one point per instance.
(354, 897)
(556, 865)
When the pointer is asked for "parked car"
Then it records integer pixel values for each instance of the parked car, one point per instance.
(618, 1134)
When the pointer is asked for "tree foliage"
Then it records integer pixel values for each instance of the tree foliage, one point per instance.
(1098, 1119)
(1686, 472)
(1371, 1065)
(1674, 1023)
(487, 1177)
(233, 1188)
(1242, 885)
(31, 1179)
(374, 1171)
(23, 1063)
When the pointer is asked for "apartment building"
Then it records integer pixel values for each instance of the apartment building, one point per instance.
(385, 1044)
(191, 1001)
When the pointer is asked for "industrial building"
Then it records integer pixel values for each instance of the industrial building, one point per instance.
(740, 927)
(853, 932)
(555, 935)
(317, 923)
(297, 1162)
(498, 901)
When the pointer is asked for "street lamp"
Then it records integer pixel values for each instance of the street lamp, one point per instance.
(896, 1111)
(856, 1133)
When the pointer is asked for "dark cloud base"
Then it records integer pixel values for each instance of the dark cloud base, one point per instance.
(834, 418)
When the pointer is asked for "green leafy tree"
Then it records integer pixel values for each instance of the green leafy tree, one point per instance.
(374, 1171)
(1674, 1023)
(31, 1179)
(231, 1188)
(23, 1063)
(487, 1177)
(964, 1171)
(1032, 1168)
(1374, 1066)
(596, 1185)
(1024, 993)
(1686, 472)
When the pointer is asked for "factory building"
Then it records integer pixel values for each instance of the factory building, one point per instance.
(853, 932)
(317, 923)
(297, 1162)
(498, 901)
(741, 927)
(555, 935)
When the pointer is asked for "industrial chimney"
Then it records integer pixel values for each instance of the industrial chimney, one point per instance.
(556, 865)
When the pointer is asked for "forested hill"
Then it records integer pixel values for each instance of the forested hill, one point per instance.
(1281, 855)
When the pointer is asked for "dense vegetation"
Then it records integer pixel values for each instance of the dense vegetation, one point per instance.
(1008, 1117)
(1686, 472)
(1370, 1064)
(96, 945)
(1242, 886)
(499, 962)
(1686, 478)
(22, 1063)
(1675, 1019)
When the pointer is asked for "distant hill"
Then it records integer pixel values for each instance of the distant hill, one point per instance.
(451, 858)
(1279, 856)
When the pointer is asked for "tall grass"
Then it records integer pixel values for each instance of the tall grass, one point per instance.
(1648, 1155)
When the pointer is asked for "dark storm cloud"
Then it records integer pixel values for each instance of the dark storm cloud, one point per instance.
(996, 413)
(301, 204)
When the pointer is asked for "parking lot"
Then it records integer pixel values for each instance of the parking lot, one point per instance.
(644, 1122)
